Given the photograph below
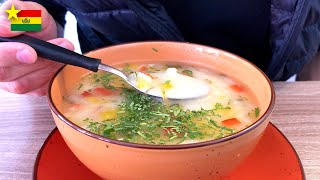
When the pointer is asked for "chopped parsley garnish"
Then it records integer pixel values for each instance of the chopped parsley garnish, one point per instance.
(145, 120)
(104, 78)
(257, 111)
(167, 83)
(80, 86)
(155, 50)
(173, 66)
(127, 69)
(187, 72)
(151, 69)
(254, 113)
(241, 98)
(220, 106)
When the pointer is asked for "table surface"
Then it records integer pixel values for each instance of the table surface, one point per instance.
(25, 123)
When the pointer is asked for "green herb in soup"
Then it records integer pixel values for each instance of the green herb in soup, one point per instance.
(103, 104)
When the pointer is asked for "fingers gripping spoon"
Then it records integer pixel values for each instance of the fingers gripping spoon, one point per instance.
(62, 55)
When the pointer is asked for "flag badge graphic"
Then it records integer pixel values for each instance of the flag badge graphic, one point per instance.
(24, 20)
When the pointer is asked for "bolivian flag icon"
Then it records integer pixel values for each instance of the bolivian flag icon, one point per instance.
(24, 20)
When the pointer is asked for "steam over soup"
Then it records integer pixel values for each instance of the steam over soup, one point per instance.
(103, 104)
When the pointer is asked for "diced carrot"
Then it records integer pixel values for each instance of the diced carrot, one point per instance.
(105, 92)
(150, 76)
(236, 88)
(231, 122)
(86, 94)
(169, 130)
(75, 106)
(166, 130)
(143, 69)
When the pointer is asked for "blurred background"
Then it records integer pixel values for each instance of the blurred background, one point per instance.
(311, 71)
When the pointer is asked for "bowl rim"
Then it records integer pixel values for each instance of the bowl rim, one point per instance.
(165, 147)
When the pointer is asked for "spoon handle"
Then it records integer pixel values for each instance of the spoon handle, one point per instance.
(55, 53)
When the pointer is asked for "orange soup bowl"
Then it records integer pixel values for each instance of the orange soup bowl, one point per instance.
(113, 159)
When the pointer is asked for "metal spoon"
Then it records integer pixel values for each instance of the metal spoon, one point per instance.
(62, 55)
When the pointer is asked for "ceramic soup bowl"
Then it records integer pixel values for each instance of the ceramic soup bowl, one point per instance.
(113, 159)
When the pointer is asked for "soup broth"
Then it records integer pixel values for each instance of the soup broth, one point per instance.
(104, 104)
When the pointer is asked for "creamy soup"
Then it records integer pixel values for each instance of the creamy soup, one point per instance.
(104, 104)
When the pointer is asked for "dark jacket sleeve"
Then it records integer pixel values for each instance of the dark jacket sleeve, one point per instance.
(295, 36)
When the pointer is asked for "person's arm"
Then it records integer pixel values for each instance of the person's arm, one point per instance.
(21, 71)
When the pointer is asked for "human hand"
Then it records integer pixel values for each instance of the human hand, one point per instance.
(21, 71)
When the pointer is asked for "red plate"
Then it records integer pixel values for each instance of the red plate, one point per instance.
(274, 158)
